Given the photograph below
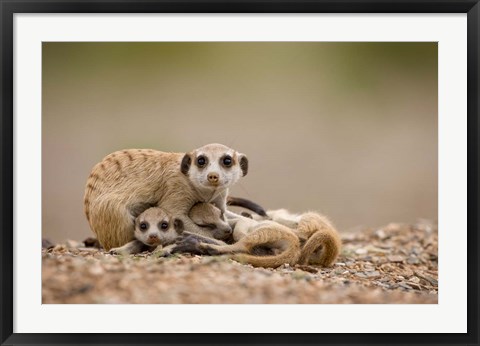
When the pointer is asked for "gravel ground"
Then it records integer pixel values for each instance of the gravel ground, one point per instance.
(393, 264)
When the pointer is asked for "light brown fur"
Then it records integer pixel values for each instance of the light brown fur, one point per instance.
(153, 237)
(308, 238)
(250, 234)
(127, 182)
(320, 241)
(280, 239)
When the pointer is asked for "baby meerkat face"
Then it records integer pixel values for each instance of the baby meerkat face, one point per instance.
(211, 218)
(214, 166)
(154, 227)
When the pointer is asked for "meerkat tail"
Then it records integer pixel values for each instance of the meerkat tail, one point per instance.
(271, 235)
(289, 255)
(323, 241)
(247, 204)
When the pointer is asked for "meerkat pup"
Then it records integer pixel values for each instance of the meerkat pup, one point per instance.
(154, 231)
(126, 183)
(319, 240)
(210, 218)
(259, 243)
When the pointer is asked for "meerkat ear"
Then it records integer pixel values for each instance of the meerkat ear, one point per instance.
(138, 208)
(243, 164)
(186, 162)
(178, 225)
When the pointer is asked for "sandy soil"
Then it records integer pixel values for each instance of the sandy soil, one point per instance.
(393, 264)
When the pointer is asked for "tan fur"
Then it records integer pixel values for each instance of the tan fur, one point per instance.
(321, 242)
(281, 239)
(210, 218)
(250, 234)
(154, 238)
(308, 238)
(136, 179)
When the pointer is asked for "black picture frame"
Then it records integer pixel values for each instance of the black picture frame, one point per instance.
(10, 7)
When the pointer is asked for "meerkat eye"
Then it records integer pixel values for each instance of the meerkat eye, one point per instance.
(201, 161)
(143, 226)
(227, 161)
(163, 225)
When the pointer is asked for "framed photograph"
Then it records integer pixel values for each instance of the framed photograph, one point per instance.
(290, 173)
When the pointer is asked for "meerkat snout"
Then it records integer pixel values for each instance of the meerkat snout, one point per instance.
(153, 237)
(213, 178)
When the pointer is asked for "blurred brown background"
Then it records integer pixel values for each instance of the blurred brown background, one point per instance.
(347, 129)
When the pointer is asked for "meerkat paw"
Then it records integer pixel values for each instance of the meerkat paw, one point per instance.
(187, 244)
(196, 245)
(118, 251)
(207, 249)
(192, 237)
(162, 253)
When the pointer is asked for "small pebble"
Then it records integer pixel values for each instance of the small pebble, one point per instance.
(413, 260)
(73, 244)
(373, 274)
(361, 251)
(404, 285)
(380, 234)
(396, 258)
(415, 279)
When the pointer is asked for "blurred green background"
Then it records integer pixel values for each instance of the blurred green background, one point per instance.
(347, 129)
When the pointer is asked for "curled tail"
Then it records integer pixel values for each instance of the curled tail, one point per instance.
(290, 255)
(278, 239)
(323, 242)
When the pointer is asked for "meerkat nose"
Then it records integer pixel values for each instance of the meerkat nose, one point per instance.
(152, 236)
(213, 178)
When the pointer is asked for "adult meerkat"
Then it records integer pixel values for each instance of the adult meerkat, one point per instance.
(127, 182)
(155, 230)
(277, 243)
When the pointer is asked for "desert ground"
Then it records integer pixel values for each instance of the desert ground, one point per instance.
(394, 264)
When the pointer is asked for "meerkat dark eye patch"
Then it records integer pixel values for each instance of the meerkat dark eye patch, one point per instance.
(163, 225)
(143, 225)
(186, 163)
(226, 161)
(178, 225)
(201, 161)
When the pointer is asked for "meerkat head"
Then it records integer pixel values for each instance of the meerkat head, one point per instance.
(208, 216)
(214, 166)
(154, 227)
